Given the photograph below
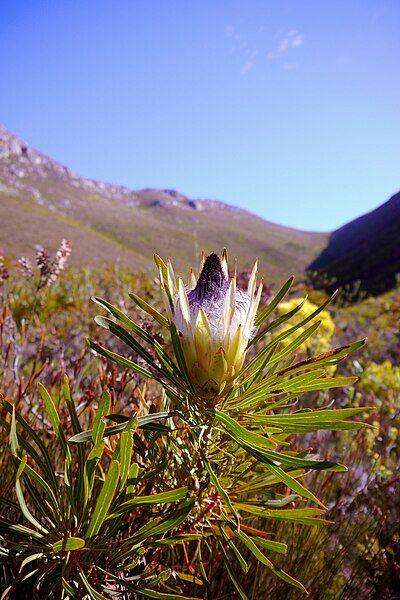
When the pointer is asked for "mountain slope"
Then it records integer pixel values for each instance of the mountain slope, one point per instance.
(42, 201)
(366, 250)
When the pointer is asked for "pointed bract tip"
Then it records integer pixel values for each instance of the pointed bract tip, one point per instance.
(224, 263)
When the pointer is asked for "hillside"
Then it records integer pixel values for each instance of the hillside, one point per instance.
(366, 250)
(41, 201)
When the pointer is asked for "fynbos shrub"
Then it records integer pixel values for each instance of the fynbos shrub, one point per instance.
(147, 505)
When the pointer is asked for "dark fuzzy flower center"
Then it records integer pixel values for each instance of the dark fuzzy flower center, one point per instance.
(211, 286)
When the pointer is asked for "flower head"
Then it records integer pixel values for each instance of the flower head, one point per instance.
(50, 268)
(26, 267)
(215, 321)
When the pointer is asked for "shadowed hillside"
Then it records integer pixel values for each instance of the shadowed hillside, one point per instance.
(42, 201)
(366, 250)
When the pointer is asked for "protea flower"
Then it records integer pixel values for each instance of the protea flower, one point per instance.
(215, 321)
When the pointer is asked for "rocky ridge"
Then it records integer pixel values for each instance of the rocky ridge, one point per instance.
(25, 169)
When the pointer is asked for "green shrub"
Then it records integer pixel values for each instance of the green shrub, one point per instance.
(147, 503)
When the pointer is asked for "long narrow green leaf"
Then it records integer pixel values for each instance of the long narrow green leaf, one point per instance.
(14, 446)
(125, 452)
(332, 357)
(39, 505)
(21, 530)
(227, 539)
(55, 421)
(272, 386)
(77, 482)
(98, 424)
(142, 422)
(241, 432)
(130, 341)
(144, 335)
(256, 445)
(278, 547)
(335, 414)
(132, 477)
(150, 310)
(68, 589)
(219, 488)
(155, 527)
(298, 385)
(263, 314)
(302, 427)
(76, 426)
(180, 358)
(104, 500)
(29, 472)
(96, 435)
(304, 516)
(30, 559)
(290, 348)
(293, 484)
(249, 543)
(330, 383)
(179, 539)
(121, 360)
(302, 422)
(45, 465)
(227, 564)
(188, 577)
(161, 498)
(93, 594)
(268, 457)
(20, 496)
(118, 314)
(286, 333)
(280, 320)
(89, 470)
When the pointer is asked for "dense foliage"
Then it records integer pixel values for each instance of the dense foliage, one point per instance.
(118, 481)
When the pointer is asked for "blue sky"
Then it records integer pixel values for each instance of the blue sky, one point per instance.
(289, 109)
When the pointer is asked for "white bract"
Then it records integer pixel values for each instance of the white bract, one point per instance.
(215, 321)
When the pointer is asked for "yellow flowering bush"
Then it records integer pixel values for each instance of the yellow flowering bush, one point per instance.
(380, 383)
(314, 345)
(378, 378)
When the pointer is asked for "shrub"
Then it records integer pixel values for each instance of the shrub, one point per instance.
(149, 503)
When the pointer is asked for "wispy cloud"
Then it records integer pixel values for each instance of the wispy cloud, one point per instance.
(292, 39)
(247, 67)
(250, 51)
(239, 45)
